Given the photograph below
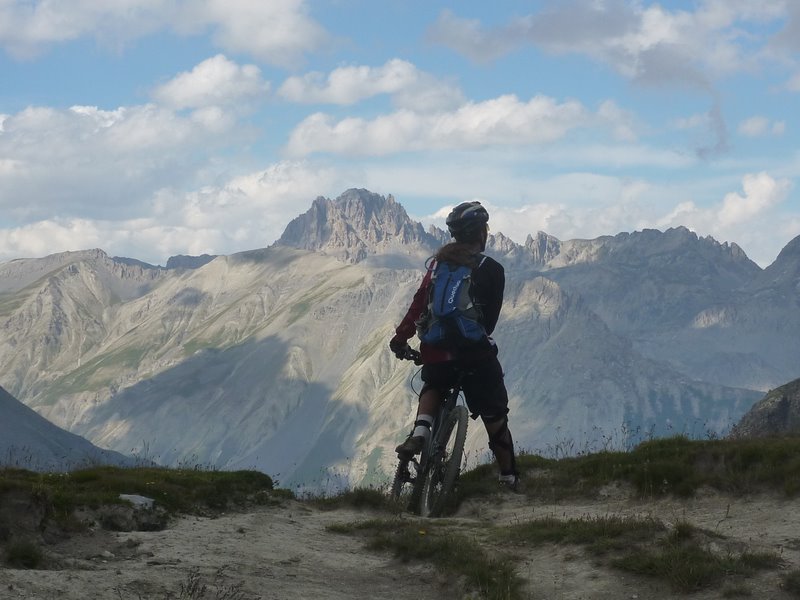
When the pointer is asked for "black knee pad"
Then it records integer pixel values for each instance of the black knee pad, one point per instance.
(497, 438)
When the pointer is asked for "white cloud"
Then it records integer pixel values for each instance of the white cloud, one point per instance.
(468, 37)
(30, 28)
(758, 126)
(691, 122)
(46, 237)
(217, 82)
(754, 126)
(739, 217)
(245, 213)
(643, 42)
(410, 87)
(578, 205)
(789, 36)
(628, 206)
(278, 32)
(502, 120)
(348, 85)
(85, 160)
(623, 123)
(583, 205)
(143, 239)
(761, 192)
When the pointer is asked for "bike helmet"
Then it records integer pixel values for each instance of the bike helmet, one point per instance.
(466, 221)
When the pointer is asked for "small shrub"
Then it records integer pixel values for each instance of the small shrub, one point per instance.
(688, 566)
(360, 497)
(600, 535)
(24, 554)
(791, 583)
(196, 588)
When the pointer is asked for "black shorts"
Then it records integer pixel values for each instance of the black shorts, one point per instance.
(483, 385)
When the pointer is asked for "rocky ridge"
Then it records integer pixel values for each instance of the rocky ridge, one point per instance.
(777, 414)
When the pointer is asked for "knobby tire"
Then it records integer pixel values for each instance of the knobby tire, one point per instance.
(397, 483)
(443, 467)
(406, 469)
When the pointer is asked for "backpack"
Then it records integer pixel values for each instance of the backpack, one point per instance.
(452, 320)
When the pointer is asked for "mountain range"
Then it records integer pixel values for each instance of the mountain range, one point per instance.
(277, 358)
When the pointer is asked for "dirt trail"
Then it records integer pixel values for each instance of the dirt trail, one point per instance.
(286, 552)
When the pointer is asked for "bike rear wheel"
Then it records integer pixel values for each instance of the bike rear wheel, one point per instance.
(443, 464)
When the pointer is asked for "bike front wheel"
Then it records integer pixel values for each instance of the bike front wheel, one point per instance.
(399, 480)
(403, 483)
(444, 464)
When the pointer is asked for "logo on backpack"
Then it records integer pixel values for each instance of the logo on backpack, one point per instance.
(452, 319)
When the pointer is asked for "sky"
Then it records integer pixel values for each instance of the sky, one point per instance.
(151, 128)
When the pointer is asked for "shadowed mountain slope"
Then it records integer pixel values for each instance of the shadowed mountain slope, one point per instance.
(30, 441)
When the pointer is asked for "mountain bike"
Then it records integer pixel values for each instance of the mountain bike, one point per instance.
(428, 483)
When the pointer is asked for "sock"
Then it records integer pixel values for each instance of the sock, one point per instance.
(423, 426)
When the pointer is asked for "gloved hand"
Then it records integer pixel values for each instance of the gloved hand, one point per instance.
(398, 345)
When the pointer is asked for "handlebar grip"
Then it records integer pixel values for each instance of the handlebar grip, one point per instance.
(413, 355)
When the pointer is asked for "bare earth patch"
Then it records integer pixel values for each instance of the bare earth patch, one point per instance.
(286, 552)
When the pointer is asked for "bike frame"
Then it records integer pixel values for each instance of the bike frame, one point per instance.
(451, 400)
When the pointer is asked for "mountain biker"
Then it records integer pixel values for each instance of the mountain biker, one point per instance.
(484, 390)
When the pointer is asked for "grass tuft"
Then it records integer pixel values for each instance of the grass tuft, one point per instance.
(187, 491)
(688, 564)
(494, 578)
(600, 534)
(675, 466)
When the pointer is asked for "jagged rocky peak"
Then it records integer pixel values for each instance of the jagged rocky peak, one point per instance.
(355, 225)
(502, 244)
(543, 247)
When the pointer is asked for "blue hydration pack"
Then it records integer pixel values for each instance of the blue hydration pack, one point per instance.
(452, 319)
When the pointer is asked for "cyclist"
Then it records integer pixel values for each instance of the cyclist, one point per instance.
(483, 386)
